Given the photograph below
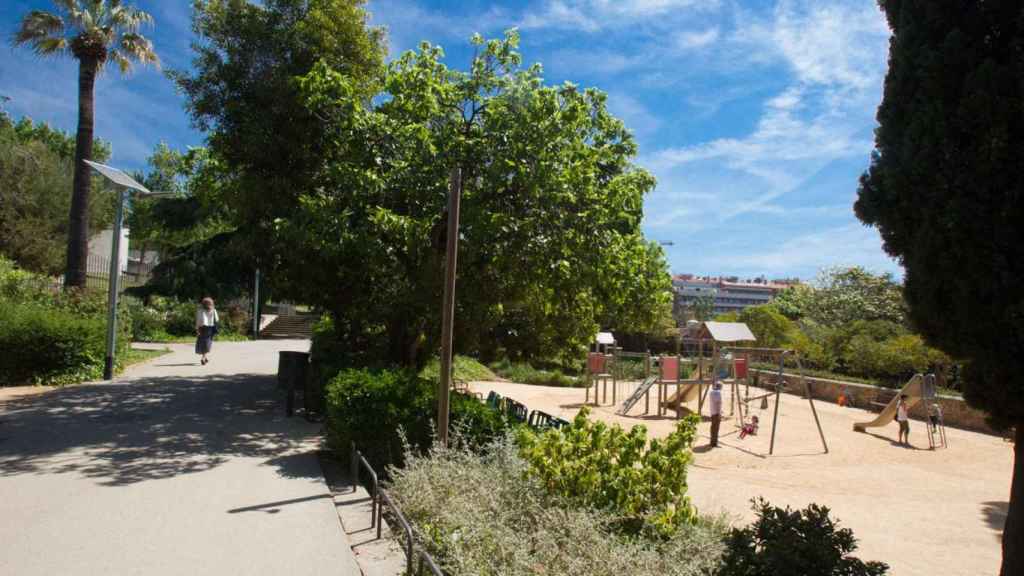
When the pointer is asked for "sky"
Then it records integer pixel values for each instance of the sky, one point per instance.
(757, 118)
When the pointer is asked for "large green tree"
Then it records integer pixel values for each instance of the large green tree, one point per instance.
(550, 227)
(241, 90)
(945, 191)
(36, 173)
(94, 32)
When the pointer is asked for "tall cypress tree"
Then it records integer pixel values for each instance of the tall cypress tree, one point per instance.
(945, 190)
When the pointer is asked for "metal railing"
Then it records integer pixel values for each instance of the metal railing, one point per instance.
(359, 462)
(417, 558)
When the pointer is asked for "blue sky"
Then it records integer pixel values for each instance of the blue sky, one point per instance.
(756, 117)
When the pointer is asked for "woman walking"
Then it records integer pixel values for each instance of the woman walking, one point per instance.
(206, 328)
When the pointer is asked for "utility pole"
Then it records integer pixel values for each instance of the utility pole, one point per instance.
(448, 306)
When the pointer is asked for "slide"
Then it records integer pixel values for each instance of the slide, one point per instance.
(688, 392)
(914, 389)
(637, 394)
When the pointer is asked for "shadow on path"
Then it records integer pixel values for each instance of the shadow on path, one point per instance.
(152, 428)
(995, 515)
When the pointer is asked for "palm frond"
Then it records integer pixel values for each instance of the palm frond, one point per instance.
(38, 26)
(135, 48)
(124, 64)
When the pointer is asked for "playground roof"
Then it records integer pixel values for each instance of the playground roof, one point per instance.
(605, 338)
(727, 332)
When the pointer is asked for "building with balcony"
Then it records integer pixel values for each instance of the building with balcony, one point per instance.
(729, 294)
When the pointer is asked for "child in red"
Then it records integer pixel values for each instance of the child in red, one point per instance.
(749, 428)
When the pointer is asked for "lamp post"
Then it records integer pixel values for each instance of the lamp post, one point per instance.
(126, 184)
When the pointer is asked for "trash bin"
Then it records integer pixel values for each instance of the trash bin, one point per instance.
(292, 369)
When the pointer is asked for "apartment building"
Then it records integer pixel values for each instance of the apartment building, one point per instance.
(730, 294)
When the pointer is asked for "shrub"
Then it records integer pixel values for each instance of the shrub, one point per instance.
(464, 368)
(370, 407)
(147, 323)
(602, 467)
(45, 345)
(482, 514)
(785, 541)
(524, 373)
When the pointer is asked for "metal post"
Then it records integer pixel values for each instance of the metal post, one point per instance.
(115, 273)
(256, 307)
(448, 307)
(778, 394)
(810, 398)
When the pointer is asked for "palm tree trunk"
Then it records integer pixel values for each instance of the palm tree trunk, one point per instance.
(78, 229)
(1013, 531)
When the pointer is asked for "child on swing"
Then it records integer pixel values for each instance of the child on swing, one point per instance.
(750, 428)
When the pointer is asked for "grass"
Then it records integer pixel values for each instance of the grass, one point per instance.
(524, 373)
(165, 338)
(135, 356)
(465, 368)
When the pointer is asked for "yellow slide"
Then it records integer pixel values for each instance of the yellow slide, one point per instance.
(914, 389)
(688, 392)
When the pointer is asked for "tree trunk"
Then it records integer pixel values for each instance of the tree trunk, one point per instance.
(1013, 531)
(78, 228)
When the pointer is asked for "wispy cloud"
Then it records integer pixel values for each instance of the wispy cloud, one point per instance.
(847, 245)
(836, 55)
(692, 40)
(595, 15)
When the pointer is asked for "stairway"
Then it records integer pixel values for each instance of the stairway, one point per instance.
(297, 326)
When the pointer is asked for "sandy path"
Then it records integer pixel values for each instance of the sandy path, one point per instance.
(923, 512)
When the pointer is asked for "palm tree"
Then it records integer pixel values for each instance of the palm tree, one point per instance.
(94, 32)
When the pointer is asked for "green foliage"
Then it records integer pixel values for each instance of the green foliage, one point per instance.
(373, 408)
(551, 208)
(44, 345)
(241, 90)
(36, 172)
(772, 329)
(480, 513)
(784, 541)
(944, 190)
(602, 467)
(525, 373)
(794, 302)
(463, 368)
(845, 295)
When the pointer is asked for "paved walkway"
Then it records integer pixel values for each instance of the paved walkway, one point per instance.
(175, 468)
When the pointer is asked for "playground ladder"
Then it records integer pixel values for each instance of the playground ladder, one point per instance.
(637, 395)
(937, 429)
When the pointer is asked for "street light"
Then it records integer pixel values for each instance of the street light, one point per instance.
(126, 184)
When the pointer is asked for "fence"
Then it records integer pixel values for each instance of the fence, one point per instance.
(97, 274)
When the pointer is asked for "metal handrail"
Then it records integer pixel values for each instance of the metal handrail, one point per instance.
(428, 560)
(381, 498)
(358, 460)
(410, 540)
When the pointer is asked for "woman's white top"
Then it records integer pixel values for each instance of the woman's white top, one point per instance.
(901, 412)
(206, 317)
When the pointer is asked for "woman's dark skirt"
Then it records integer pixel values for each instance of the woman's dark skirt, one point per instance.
(205, 340)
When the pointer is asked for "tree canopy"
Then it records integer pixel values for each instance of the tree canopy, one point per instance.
(551, 244)
(944, 190)
(36, 171)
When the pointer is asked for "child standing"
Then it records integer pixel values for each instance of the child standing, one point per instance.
(902, 417)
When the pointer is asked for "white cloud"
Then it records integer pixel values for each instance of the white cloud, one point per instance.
(837, 56)
(848, 245)
(635, 115)
(594, 15)
(694, 40)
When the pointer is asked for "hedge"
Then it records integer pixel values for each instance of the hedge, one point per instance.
(373, 408)
(47, 345)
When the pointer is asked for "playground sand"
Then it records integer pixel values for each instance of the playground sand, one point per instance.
(923, 512)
